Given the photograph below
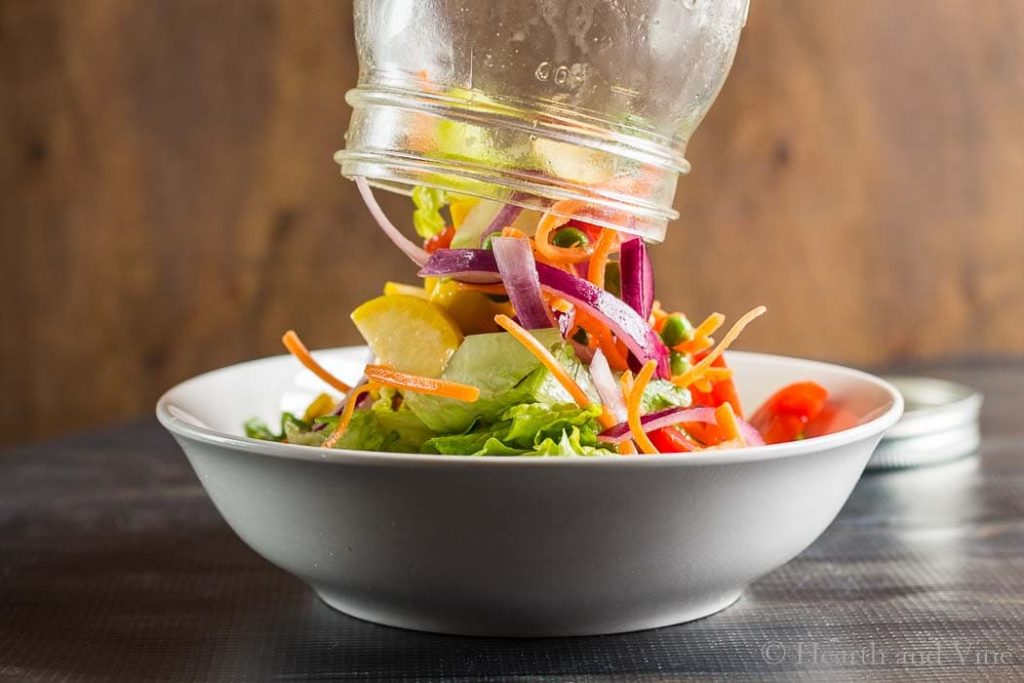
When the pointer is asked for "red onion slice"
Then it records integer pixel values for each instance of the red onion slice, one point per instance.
(607, 387)
(465, 265)
(657, 420)
(673, 416)
(473, 265)
(642, 341)
(417, 254)
(518, 269)
(637, 276)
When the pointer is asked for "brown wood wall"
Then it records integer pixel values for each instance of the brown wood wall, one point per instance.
(169, 203)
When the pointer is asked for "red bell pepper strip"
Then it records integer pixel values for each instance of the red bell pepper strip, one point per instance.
(442, 240)
(671, 440)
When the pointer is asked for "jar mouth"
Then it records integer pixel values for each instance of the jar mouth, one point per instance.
(528, 154)
(535, 117)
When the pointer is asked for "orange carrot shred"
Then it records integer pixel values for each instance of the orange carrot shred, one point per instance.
(612, 352)
(698, 370)
(346, 416)
(509, 231)
(295, 346)
(389, 377)
(709, 325)
(702, 384)
(636, 427)
(627, 447)
(626, 384)
(548, 222)
(597, 332)
(561, 305)
(599, 260)
(718, 374)
(695, 345)
(726, 419)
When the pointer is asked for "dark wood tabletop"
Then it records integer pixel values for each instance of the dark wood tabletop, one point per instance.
(115, 566)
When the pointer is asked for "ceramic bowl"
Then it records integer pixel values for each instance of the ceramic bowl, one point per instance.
(521, 546)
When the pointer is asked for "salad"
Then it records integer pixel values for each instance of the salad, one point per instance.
(533, 334)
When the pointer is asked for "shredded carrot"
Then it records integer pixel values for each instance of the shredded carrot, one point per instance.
(626, 384)
(702, 384)
(726, 419)
(554, 367)
(509, 231)
(390, 377)
(718, 374)
(559, 304)
(695, 345)
(598, 334)
(698, 370)
(636, 427)
(709, 326)
(627, 447)
(612, 352)
(599, 259)
(658, 316)
(346, 416)
(295, 346)
(548, 223)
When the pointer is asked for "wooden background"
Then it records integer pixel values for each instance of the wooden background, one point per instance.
(169, 203)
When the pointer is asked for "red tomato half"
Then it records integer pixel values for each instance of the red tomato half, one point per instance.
(832, 418)
(786, 414)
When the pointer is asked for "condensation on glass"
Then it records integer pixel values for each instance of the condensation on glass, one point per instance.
(529, 102)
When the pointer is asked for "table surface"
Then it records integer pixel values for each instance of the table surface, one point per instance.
(115, 566)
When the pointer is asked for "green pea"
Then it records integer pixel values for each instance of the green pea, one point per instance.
(570, 237)
(676, 330)
(677, 363)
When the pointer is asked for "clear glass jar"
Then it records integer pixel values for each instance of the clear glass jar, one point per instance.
(529, 102)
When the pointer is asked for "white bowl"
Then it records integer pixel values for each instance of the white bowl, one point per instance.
(522, 546)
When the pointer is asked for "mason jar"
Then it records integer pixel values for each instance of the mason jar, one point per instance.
(529, 102)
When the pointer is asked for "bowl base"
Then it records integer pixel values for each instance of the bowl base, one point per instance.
(482, 625)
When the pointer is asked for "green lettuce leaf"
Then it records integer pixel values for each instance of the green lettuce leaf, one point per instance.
(255, 428)
(530, 428)
(406, 431)
(471, 443)
(661, 394)
(427, 218)
(506, 374)
(532, 423)
(571, 443)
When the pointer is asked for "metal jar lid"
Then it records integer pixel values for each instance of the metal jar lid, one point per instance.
(939, 424)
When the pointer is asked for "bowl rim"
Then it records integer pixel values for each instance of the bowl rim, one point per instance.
(876, 426)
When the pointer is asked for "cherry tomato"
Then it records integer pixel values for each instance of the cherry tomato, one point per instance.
(441, 240)
(786, 414)
(832, 418)
(671, 440)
